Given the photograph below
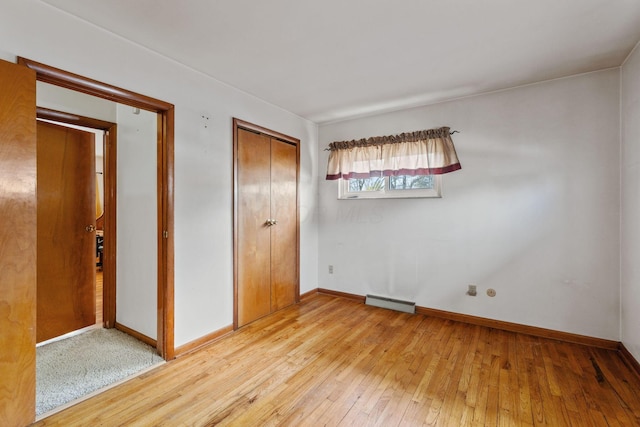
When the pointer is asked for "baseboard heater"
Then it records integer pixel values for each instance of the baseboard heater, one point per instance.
(391, 304)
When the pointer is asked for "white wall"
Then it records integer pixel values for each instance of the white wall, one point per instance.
(534, 212)
(630, 280)
(203, 150)
(137, 221)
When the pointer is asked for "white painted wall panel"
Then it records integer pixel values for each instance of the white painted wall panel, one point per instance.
(630, 283)
(534, 212)
(137, 221)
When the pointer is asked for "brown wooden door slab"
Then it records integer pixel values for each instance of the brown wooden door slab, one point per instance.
(254, 277)
(66, 230)
(284, 235)
(17, 245)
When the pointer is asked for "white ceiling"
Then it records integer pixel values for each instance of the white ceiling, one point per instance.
(329, 60)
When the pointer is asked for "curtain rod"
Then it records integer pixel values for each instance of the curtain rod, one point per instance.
(450, 133)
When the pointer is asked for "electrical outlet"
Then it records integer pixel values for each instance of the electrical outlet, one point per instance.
(491, 292)
(472, 291)
(331, 269)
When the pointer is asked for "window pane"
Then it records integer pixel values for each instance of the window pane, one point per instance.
(408, 182)
(366, 184)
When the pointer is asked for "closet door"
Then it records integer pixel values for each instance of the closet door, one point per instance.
(284, 236)
(254, 236)
(266, 221)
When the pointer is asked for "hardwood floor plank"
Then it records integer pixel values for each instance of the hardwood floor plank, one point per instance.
(332, 361)
(481, 391)
(493, 396)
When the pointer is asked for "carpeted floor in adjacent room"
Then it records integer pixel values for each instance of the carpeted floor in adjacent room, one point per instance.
(69, 369)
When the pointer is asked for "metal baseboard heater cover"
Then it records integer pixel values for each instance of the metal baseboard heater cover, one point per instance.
(391, 304)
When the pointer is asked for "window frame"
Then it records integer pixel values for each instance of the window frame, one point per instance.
(387, 193)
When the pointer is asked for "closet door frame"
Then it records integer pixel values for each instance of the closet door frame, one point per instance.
(241, 124)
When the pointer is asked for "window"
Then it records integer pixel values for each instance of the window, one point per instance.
(397, 166)
(388, 187)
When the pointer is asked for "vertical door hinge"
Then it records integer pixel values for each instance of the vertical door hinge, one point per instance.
(165, 234)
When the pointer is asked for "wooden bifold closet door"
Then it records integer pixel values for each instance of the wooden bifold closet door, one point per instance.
(267, 225)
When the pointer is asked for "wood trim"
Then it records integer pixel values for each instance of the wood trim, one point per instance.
(234, 216)
(496, 324)
(73, 119)
(628, 359)
(137, 335)
(521, 329)
(109, 258)
(259, 129)
(58, 77)
(110, 203)
(165, 174)
(55, 76)
(297, 296)
(339, 294)
(310, 294)
(202, 341)
(168, 251)
(241, 124)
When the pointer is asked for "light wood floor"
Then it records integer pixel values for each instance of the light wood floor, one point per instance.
(331, 361)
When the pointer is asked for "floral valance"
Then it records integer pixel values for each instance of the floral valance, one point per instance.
(425, 152)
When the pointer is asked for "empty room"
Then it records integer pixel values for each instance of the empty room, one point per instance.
(322, 213)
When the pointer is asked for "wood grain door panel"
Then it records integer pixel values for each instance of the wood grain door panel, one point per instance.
(254, 277)
(17, 245)
(266, 221)
(284, 236)
(66, 250)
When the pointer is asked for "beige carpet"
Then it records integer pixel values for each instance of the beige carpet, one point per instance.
(69, 369)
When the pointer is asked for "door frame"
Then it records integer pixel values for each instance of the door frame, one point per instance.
(241, 124)
(110, 195)
(165, 185)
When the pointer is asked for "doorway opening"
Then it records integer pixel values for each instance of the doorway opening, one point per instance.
(104, 226)
(163, 235)
(75, 360)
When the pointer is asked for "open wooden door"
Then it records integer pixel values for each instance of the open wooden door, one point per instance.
(66, 230)
(17, 245)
